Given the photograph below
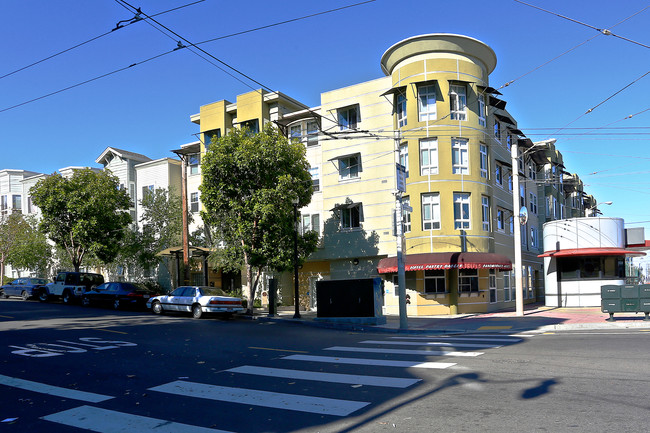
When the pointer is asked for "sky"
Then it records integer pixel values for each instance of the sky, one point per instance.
(561, 69)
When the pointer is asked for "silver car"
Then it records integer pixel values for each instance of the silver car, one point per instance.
(196, 300)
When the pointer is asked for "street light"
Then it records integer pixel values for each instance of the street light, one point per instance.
(296, 293)
(593, 211)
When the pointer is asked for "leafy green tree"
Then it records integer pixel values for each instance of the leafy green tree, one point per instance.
(11, 227)
(32, 250)
(86, 214)
(249, 184)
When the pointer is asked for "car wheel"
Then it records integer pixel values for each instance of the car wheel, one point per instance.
(85, 301)
(157, 308)
(24, 295)
(5, 296)
(66, 297)
(116, 304)
(43, 296)
(197, 312)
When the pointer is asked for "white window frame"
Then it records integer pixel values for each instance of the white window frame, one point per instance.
(400, 109)
(533, 202)
(315, 178)
(348, 170)
(351, 217)
(404, 157)
(348, 117)
(460, 156)
(534, 241)
(194, 202)
(458, 102)
(312, 133)
(483, 161)
(468, 281)
(462, 211)
(501, 220)
(429, 152)
(481, 110)
(485, 212)
(431, 211)
(498, 174)
(406, 216)
(427, 103)
(309, 222)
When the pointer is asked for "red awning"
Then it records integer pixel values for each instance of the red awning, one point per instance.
(428, 261)
(592, 252)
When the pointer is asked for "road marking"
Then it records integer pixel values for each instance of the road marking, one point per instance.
(374, 362)
(110, 330)
(493, 327)
(109, 421)
(432, 343)
(278, 350)
(391, 382)
(404, 351)
(301, 403)
(53, 390)
(491, 339)
(7, 317)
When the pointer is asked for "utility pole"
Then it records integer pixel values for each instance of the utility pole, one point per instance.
(401, 273)
(516, 214)
(185, 233)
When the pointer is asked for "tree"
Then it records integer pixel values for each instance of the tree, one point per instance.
(249, 183)
(11, 227)
(86, 214)
(32, 250)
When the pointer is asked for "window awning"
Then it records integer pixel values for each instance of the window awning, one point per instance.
(345, 206)
(429, 261)
(491, 90)
(504, 119)
(577, 252)
(394, 91)
(497, 103)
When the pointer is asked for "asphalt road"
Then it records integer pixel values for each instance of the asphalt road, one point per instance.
(73, 369)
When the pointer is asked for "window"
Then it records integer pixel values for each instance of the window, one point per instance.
(459, 158)
(348, 117)
(312, 133)
(295, 133)
(492, 284)
(428, 156)
(501, 220)
(556, 209)
(400, 109)
(430, 211)
(510, 185)
(532, 171)
(524, 235)
(468, 280)
(481, 110)
(498, 174)
(310, 222)
(509, 142)
(315, 178)
(194, 202)
(483, 161)
(522, 194)
(458, 101)
(534, 241)
(562, 214)
(351, 217)
(511, 222)
(3, 204)
(427, 103)
(533, 203)
(578, 268)
(461, 211)
(404, 157)
(17, 203)
(497, 130)
(349, 167)
(193, 161)
(485, 213)
(434, 281)
(406, 216)
(209, 136)
(253, 126)
(508, 280)
(146, 191)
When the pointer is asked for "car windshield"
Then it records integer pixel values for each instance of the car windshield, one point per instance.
(212, 291)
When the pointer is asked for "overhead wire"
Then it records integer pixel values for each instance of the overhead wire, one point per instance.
(129, 22)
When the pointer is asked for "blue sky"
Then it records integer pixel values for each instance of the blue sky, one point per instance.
(146, 108)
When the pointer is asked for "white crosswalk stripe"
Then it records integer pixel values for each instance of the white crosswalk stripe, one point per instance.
(432, 343)
(391, 382)
(302, 403)
(110, 421)
(53, 390)
(443, 338)
(373, 362)
(404, 351)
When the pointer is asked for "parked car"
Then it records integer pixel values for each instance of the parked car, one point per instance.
(24, 287)
(117, 295)
(69, 286)
(196, 300)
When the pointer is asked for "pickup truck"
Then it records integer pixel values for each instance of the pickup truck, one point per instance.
(69, 286)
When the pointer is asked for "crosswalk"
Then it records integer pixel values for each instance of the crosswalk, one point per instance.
(389, 359)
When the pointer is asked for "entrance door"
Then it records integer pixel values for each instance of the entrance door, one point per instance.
(312, 292)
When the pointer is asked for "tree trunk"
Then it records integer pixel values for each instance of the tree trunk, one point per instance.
(251, 288)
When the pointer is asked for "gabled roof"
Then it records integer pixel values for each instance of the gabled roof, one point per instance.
(124, 154)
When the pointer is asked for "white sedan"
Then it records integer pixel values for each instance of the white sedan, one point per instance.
(196, 300)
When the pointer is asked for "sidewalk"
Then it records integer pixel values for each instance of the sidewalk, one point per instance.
(536, 318)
